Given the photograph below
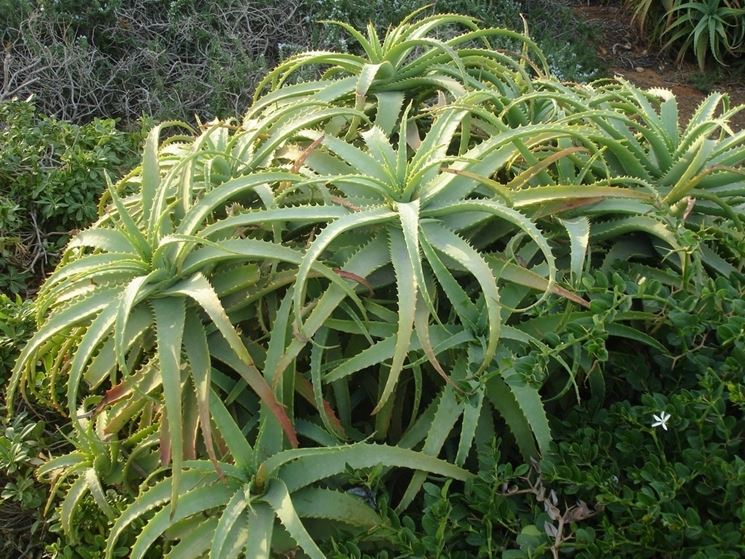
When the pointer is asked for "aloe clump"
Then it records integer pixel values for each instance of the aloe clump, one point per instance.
(360, 258)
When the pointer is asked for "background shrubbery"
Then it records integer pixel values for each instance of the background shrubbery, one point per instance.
(52, 173)
(168, 59)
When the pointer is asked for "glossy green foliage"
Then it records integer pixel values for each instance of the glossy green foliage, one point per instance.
(676, 488)
(16, 325)
(51, 176)
(21, 440)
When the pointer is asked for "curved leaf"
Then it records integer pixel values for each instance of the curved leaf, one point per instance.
(278, 497)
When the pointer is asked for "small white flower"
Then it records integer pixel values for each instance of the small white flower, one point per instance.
(661, 420)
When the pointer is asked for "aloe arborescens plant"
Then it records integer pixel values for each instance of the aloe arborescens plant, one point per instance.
(356, 260)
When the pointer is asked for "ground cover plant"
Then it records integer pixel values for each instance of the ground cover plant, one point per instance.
(614, 484)
(50, 182)
(299, 331)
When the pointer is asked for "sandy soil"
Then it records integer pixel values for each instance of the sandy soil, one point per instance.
(626, 54)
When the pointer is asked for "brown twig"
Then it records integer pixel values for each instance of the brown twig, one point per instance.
(574, 513)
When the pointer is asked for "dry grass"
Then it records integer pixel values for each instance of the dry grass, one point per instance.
(147, 58)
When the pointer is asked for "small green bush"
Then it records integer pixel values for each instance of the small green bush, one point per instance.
(16, 325)
(21, 497)
(677, 490)
(51, 176)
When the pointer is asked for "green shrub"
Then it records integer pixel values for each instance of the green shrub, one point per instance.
(51, 175)
(628, 486)
(16, 325)
(22, 528)
(627, 489)
(24, 443)
(665, 493)
(673, 491)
